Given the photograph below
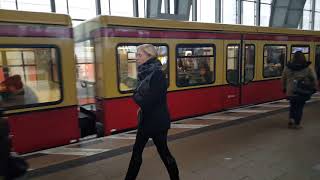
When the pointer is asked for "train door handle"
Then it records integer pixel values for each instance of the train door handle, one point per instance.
(229, 96)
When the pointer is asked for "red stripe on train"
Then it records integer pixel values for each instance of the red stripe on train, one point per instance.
(35, 31)
(143, 33)
(146, 33)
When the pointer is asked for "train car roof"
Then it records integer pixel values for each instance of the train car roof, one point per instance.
(85, 28)
(11, 16)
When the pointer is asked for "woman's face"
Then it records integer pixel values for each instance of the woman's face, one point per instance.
(142, 57)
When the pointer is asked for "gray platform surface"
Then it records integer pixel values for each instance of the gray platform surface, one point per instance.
(262, 149)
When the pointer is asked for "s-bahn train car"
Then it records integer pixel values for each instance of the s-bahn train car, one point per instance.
(37, 79)
(209, 67)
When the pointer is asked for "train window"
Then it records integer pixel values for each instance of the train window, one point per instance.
(274, 58)
(232, 64)
(127, 68)
(249, 63)
(304, 49)
(195, 64)
(317, 63)
(85, 72)
(28, 76)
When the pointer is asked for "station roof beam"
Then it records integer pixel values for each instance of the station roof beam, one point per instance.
(286, 13)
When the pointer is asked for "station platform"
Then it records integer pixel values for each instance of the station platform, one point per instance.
(248, 143)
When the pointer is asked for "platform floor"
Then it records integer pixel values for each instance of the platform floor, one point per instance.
(251, 143)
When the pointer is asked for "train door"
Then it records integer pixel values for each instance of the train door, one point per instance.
(248, 86)
(231, 94)
(240, 73)
(85, 72)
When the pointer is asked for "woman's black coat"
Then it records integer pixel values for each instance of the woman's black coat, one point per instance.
(151, 96)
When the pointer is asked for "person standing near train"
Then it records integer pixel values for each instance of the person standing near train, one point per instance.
(11, 166)
(299, 83)
(153, 115)
(4, 147)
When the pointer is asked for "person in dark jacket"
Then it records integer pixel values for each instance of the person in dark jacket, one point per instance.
(205, 73)
(153, 115)
(4, 147)
(13, 92)
(297, 69)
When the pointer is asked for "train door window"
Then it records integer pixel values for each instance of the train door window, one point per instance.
(304, 49)
(274, 59)
(317, 63)
(195, 64)
(85, 72)
(26, 75)
(249, 63)
(232, 64)
(127, 67)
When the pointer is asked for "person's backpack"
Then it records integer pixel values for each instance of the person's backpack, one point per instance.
(302, 87)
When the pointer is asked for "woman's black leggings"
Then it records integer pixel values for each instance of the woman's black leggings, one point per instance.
(5, 148)
(160, 140)
(296, 109)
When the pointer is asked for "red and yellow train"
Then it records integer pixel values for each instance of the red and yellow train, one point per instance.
(87, 74)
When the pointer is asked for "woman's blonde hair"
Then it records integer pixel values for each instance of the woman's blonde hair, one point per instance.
(149, 49)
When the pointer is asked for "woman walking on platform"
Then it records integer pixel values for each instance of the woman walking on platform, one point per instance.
(153, 115)
(299, 83)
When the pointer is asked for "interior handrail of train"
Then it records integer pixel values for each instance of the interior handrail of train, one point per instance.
(73, 82)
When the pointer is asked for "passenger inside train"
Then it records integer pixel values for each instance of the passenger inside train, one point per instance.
(205, 73)
(274, 63)
(14, 92)
(193, 69)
